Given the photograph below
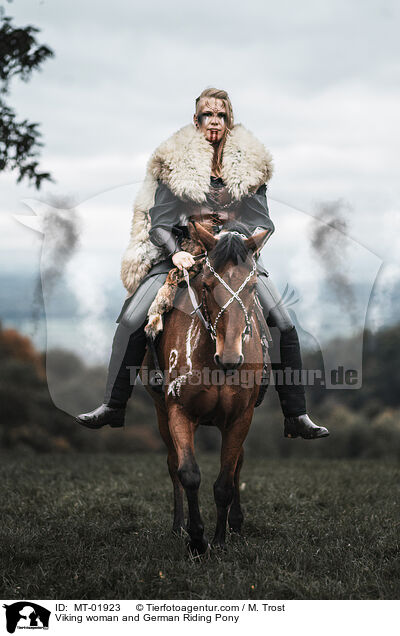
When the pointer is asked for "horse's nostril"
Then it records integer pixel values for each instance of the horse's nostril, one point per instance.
(217, 360)
(241, 358)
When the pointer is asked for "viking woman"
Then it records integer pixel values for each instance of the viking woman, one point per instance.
(211, 171)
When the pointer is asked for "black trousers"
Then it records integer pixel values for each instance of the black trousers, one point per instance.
(129, 344)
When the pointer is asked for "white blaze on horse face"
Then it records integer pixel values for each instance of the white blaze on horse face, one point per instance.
(229, 340)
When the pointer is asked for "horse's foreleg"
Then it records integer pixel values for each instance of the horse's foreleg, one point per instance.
(235, 517)
(179, 517)
(224, 487)
(182, 432)
(172, 461)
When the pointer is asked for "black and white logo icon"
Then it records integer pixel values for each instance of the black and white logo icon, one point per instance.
(26, 615)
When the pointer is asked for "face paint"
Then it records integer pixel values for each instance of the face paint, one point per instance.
(206, 117)
(211, 119)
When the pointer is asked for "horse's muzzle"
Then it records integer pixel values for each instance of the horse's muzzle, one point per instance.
(228, 363)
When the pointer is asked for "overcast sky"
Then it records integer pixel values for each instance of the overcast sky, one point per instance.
(317, 82)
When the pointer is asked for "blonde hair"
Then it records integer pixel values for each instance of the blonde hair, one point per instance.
(224, 97)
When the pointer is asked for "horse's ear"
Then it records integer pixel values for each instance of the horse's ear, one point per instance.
(200, 233)
(256, 241)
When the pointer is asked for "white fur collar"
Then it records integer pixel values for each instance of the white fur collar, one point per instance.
(183, 162)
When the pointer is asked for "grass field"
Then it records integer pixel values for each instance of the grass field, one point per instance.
(98, 527)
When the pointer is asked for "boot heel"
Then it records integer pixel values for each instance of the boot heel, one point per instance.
(289, 434)
(117, 425)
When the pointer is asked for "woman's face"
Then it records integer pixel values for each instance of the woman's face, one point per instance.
(211, 119)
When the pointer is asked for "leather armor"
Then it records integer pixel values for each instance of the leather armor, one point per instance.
(219, 207)
(170, 215)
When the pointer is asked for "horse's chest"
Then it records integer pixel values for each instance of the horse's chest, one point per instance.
(202, 389)
(205, 394)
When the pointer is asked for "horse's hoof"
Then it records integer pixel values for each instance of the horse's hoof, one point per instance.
(219, 544)
(237, 538)
(235, 523)
(235, 528)
(198, 548)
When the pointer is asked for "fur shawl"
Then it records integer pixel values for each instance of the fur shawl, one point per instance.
(183, 163)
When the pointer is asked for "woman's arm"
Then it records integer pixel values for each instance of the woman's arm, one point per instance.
(164, 216)
(255, 213)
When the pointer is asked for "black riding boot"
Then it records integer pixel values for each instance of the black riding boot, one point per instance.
(291, 391)
(288, 372)
(288, 375)
(127, 355)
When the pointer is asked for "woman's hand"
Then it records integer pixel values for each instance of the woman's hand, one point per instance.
(183, 259)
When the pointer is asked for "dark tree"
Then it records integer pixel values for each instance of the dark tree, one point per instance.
(20, 54)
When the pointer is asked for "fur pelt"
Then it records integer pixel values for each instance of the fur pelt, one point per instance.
(164, 299)
(183, 163)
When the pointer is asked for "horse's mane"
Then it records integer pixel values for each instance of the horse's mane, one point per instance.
(230, 246)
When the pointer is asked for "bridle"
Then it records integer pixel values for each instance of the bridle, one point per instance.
(234, 296)
(205, 318)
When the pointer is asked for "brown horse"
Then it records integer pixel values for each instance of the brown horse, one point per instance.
(211, 363)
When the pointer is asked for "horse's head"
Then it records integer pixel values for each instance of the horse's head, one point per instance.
(228, 288)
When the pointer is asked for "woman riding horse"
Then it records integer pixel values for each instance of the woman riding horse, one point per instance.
(211, 171)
